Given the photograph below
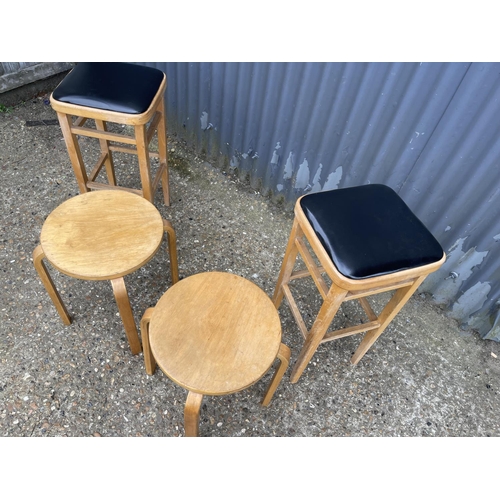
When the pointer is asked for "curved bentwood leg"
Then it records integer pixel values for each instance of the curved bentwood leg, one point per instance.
(41, 269)
(149, 359)
(125, 310)
(172, 250)
(192, 414)
(284, 357)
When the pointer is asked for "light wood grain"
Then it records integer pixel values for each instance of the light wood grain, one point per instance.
(108, 158)
(102, 235)
(47, 282)
(149, 360)
(284, 354)
(74, 152)
(163, 150)
(123, 303)
(192, 414)
(215, 333)
(172, 250)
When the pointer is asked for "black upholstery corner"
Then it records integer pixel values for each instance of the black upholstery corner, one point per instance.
(369, 231)
(114, 86)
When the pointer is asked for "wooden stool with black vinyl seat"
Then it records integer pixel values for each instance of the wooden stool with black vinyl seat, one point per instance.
(123, 93)
(367, 241)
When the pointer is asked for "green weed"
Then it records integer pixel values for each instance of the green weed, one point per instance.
(5, 109)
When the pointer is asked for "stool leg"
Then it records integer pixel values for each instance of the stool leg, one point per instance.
(172, 250)
(41, 269)
(149, 359)
(144, 164)
(163, 152)
(325, 316)
(287, 264)
(123, 302)
(398, 300)
(104, 144)
(192, 414)
(284, 357)
(75, 155)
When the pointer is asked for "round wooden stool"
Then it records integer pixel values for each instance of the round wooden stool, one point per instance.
(213, 333)
(103, 235)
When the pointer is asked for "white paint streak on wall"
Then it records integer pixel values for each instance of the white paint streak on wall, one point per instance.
(316, 185)
(204, 120)
(276, 157)
(302, 179)
(496, 237)
(418, 133)
(235, 162)
(470, 302)
(487, 322)
(447, 228)
(287, 174)
(279, 187)
(333, 180)
(444, 290)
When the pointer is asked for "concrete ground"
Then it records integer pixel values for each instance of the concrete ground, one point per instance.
(423, 377)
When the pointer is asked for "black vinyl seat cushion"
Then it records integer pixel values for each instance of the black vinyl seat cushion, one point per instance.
(121, 87)
(369, 231)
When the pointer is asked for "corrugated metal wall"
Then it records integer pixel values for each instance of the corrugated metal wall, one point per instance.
(428, 130)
